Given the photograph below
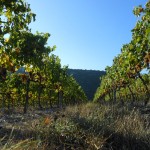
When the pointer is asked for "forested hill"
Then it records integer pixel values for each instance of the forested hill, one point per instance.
(88, 79)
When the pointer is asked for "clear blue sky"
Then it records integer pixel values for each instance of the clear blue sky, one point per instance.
(87, 33)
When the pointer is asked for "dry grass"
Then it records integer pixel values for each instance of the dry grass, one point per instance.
(84, 127)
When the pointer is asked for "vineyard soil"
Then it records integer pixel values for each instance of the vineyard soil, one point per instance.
(86, 126)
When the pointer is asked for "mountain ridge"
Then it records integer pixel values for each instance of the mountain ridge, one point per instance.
(89, 80)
